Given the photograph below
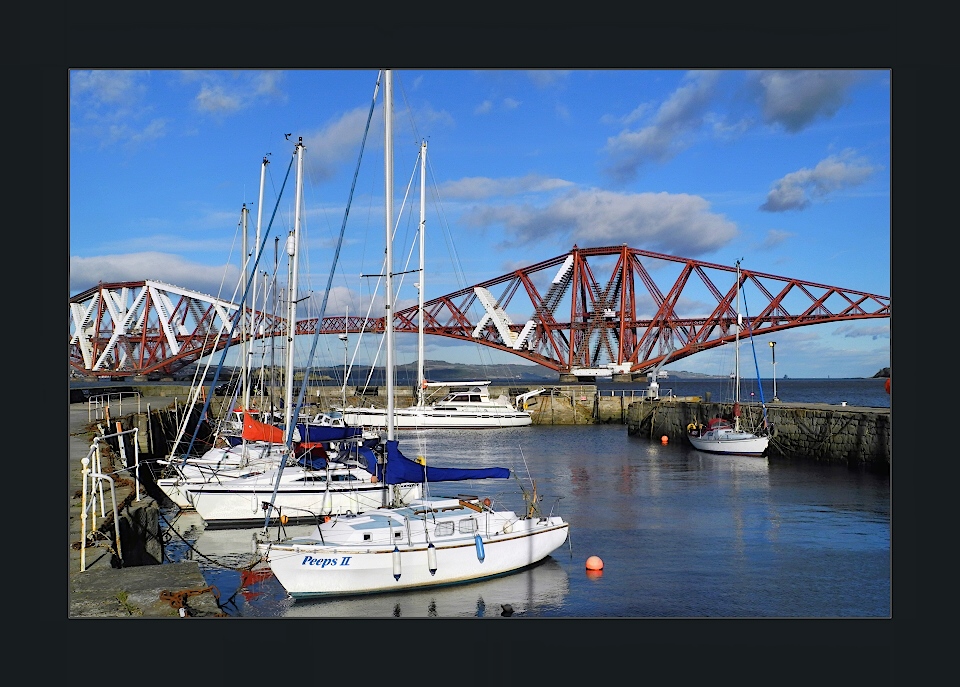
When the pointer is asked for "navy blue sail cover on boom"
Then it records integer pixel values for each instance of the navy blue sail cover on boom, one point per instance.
(315, 433)
(400, 469)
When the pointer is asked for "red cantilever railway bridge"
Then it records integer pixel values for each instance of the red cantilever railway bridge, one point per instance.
(582, 309)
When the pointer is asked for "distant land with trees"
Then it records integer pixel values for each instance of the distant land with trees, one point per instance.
(443, 371)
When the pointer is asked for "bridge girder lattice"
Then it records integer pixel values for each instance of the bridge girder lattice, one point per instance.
(587, 308)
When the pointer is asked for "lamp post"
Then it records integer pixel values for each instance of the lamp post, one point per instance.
(773, 352)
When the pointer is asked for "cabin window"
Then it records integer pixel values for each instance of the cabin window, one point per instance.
(398, 535)
(468, 525)
(475, 399)
(366, 536)
(444, 529)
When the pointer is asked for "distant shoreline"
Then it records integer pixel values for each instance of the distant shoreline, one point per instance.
(440, 371)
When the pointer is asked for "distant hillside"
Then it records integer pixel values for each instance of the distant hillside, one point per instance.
(443, 371)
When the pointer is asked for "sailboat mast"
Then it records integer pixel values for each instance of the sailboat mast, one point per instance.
(253, 288)
(346, 328)
(275, 308)
(739, 326)
(245, 395)
(736, 386)
(293, 241)
(421, 378)
(388, 190)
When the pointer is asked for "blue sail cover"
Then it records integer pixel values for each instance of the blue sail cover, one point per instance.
(315, 433)
(401, 469)
(366, 456)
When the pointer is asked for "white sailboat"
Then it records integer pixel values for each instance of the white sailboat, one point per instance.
(239, 457)
(254, 446)
(296, 489)
(721, 435)
(412, 543)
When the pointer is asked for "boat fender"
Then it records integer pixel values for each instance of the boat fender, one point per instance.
(432, 558)
(396, 563)
(480, 553)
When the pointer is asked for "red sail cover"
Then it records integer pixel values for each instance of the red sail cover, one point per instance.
(254, 430)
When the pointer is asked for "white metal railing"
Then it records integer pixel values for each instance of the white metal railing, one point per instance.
(98, 406)
(92, 492)
(634, 393)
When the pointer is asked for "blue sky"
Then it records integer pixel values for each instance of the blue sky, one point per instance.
(787, 170)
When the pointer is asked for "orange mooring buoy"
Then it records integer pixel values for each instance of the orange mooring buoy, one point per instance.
(664, 439)
(594, 563)
(886, 385)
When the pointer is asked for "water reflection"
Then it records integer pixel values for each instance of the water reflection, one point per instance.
(681, 533)
(530, 592)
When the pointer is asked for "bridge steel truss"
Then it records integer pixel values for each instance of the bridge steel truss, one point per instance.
(587, 308)
(138, 328)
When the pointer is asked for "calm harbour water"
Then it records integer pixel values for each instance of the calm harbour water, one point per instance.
(682, 534)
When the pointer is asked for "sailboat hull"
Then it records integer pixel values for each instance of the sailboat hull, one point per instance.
(308, 568)
(302, 496)
(218, 465)
(730, 442)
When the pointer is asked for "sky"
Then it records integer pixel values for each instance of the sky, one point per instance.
(787, 171)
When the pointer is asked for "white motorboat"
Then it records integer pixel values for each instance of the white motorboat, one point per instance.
(721, 435)
(467, 406)
(412, 542)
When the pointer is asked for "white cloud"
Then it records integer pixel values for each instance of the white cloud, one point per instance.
(775, 237)
(215, 99)
(166, 267)
(853, 332)
(223, 93)
(671, 131)
(795, 190)
(669, 223)
(337, 141)
(547, 77)
(107, 108)
(478, 188)
(795, 98)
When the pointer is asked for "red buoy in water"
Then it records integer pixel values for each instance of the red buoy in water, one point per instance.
(594, 563)
(886, 385)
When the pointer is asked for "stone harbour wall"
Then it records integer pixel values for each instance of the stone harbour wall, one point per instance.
(812, 431)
